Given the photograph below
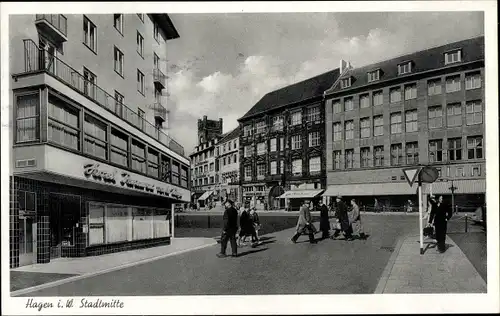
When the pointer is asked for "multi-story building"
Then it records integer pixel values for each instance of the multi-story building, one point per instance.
(208, 129)
(204, 173)
(425, 108)
(282, 141)
(93, 170)
(227, 153)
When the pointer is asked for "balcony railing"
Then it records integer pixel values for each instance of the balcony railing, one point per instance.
(58, 21)
(36, 60)
(159, 78)
(159, 111)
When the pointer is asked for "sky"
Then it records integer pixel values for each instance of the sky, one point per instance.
(222, 64)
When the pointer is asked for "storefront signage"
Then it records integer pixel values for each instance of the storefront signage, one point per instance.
(124, 179)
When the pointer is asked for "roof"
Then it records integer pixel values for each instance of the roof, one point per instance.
(235, 133)
(166, 24)
(295, 93)
(425, 60)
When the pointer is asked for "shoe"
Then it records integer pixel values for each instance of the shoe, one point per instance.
(221, 255)
(293, 240)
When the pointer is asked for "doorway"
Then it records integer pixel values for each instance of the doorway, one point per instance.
(64, 215)
(48, 58)
(27, 227)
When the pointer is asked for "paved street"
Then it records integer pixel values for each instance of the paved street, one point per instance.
(275, 267)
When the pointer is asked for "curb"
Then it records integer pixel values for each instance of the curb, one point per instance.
(91, 274)
(388, 268)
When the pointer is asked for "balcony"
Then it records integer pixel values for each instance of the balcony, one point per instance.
(159, 79)
(37, 60)
(54, 26)
(160, 112)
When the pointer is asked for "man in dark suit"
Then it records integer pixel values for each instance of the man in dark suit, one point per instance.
(229, 231)
(343, 218)
(440, 215)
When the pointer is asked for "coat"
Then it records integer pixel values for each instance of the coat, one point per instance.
(230, 219)
(342, 216)
(440, 213)
(324, 222)
(355, 220)
(304, 218)
(246, 223)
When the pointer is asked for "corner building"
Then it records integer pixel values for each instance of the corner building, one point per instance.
(282, 138)
(425, 108)
(227, 164)
(93, 170)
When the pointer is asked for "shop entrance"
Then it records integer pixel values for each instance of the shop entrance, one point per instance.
(64, 213)
(27, 238)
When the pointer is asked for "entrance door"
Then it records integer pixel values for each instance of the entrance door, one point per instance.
(49, 51)
(64, 212)
(27, 238)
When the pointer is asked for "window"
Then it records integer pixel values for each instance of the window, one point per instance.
(119, 148)
(378, 156)
(395, 95)
(315, 165)
(89, 34)
(261, 148)
(96, 224)
(412, 153)
(297, 166)
(396, 154)
(282, 166)
(364, 124)
(141, 16)
(248, 172)
(140, 44)
(435, 117)
(345, 83)
(89, 84)
(140, 82)
(156, 31)
(349, 130)
(474, 112)
(184, 177)
(314, 139)
(282, 144)
(459, 172)
(349, 158)
(410, 91)
(378, 125)
(434, 87)
(472, 81)
(247, 130)
(313, 114)
(348, 104)
(452, 57)
(476, 171)
(337, 131)
(27, 117)
(454, 114)
(212, 166)
(119, 104)
(224, 161)
(118, 55)
(175, 173)
(455, 149)
(404, 68)
(261, 170)
(138, 156)
(365, 157)
(475, 147)
(364, 101)
(411, 121)
(374, 75)
(337, 106)
(153, 164)
(272, 145)
(336, 159)
(435, 151)
(378, 98)
(274, 167)
(235, 158)
(63, 124)
(260, 128)
(296, 118)
(95, 139)
(118, 22)
(247, 151)
(278, 123)
(453, 84)
(296, 142)
(396, 123)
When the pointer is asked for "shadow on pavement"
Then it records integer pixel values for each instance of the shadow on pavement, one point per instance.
(433, 245)
(21, 280)
(251, 252)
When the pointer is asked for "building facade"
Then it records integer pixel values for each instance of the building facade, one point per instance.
(425, 108)
(227, 153)
(205, 178)
(208, 129)
(93, 170)
(281, 145)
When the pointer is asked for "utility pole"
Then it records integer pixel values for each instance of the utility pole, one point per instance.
(453, 188)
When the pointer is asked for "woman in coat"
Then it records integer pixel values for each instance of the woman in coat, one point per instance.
(254, 217)
(355, 220)
(440, 215)
(304, 223)
(324, 220)
(246, 225)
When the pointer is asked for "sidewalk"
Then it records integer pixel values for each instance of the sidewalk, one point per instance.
(409, 272)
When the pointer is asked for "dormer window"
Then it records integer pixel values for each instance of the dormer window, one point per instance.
(454, 56)
(404, 68)
(374, 75)
(345, 83)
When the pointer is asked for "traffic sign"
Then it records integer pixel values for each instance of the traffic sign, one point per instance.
(428, 174)
(411, 174)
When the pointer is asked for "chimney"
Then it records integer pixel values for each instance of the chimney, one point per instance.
(343, 66)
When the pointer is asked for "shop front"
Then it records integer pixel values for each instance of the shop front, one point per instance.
(295, 198)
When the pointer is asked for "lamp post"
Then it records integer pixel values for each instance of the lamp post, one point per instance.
(452, 189)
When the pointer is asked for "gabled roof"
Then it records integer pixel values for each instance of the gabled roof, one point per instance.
(235, 133)
(295, 93)
(425, 60)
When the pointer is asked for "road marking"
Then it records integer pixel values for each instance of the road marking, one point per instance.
(388, 268)
(92, 274)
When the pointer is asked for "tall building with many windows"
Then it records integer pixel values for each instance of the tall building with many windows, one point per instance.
(425, 108)
(205, 178)
(93, 168)
(228, 162)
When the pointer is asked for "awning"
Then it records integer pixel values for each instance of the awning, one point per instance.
(205, 195)
(371, 189)
(276, 191)
(475, 186)
(301, 194)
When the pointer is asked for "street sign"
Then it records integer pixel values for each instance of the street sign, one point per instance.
(411, 174)
(428, 174)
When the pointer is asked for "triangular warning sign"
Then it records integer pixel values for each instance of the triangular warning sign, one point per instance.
(411, 174)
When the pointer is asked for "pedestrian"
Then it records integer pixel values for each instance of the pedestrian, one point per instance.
(355, 220)
(246, 225)
(304, 223)
(324, 221)
(343, 219)
(230, 228)
(440, 215)
(254, 217)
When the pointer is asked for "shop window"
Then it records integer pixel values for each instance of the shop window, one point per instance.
(96, 224)
(117, 224)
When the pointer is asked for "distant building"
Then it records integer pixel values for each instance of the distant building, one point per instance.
(204, 174)
(208, 129)
(228, 159)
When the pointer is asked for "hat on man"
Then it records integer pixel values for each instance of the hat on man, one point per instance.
(339, 196)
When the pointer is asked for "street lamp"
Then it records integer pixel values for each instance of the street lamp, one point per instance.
(452, 189)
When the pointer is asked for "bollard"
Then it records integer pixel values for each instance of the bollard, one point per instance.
(466, 222)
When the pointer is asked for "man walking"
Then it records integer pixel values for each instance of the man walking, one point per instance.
(355, 220)
(305, 223)
(343, 219)
(229, 231)
(440, 215)
(324, 222)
